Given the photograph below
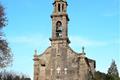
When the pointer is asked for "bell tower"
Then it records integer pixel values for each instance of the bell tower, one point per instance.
(60, 21)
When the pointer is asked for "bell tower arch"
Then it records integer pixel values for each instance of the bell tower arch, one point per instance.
(59, 29)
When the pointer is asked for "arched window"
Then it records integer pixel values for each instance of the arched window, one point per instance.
(59, 29)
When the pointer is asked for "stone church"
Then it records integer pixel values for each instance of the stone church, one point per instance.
(59, 61)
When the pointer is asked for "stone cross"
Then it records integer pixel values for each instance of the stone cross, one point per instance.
(65, 69)
(58, 70)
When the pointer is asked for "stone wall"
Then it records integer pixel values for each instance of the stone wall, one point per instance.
(62, 63)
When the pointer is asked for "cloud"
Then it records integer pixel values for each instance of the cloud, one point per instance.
(77, 41)
(38, 40)
(31, 40)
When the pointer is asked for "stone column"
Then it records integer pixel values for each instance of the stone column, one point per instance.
(36, 66)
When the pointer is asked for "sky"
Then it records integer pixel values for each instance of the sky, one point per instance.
(93, 24)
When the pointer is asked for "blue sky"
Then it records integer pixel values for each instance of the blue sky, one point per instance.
(93, 24)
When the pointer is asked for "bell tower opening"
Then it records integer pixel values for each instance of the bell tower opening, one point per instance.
(58, 7)
(58, 29)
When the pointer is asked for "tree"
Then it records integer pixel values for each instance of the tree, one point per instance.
(5, 53)
(100, 76)
(103, 76)
(113, 69)
(113, 72)
(5, 75)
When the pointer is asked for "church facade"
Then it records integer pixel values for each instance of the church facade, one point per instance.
(59, 61)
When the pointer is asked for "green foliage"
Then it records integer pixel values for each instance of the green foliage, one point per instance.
(109, 77)
(5, 55)
(102, 76)
(3, 18)
(12, 76)
(113, 69)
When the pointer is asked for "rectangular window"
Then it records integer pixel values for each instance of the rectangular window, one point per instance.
(58, 7)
